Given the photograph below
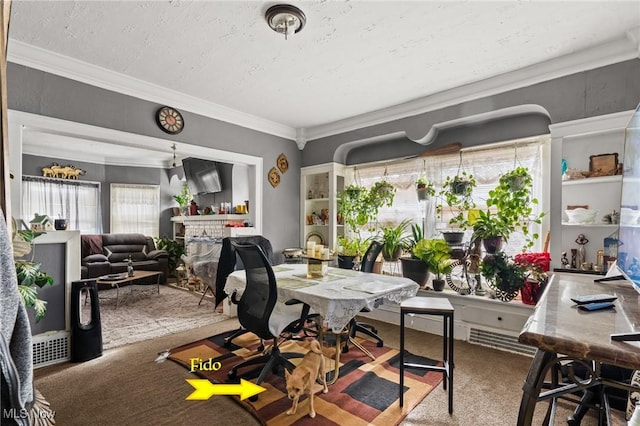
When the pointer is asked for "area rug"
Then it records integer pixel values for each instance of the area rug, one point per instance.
(146, 315)
(365, 393)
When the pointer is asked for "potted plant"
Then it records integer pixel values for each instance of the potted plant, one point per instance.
(349, 249)
(394, 240)
(513, 200)
(503, 275)
(174, 248)
(183, 198)
(30, 276)
(424, 189)
(492, 229)
(536, 266)
(436, 253)
(413, 267)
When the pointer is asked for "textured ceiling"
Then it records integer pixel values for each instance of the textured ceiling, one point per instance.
(351, 58)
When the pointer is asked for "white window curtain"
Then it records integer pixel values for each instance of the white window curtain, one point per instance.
(76, 201)
(135, 208)
(486, 163)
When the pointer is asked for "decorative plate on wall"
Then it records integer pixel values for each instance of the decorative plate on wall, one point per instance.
(274, 177)
(170, 120)
(316, 237)
(283, 163)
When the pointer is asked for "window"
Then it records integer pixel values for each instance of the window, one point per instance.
(486, 163)
(78, 202)
(135, 208)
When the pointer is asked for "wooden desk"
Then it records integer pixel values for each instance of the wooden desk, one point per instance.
(561, 332)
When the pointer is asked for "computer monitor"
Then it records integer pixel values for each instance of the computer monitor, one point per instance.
(628, 259)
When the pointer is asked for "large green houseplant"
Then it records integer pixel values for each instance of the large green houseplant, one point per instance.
(30, 276)
(503, 274)
(413, 267)
(394, 240)
(174, 248)
(436, 253)
(184, 197)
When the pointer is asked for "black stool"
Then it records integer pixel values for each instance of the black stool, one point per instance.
(430, 306)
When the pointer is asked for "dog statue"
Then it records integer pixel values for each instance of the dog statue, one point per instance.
(301, 380)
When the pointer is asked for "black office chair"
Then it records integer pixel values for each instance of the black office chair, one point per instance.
(257, 312)
(368, 261)
(229, 262)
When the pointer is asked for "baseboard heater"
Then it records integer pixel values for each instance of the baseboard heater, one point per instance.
(50, 348)
(499, 341)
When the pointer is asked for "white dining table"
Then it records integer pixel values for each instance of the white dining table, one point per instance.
(339, 296)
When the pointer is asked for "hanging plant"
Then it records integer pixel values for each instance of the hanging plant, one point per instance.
(424, 189)
(457, 193)
(513, 200)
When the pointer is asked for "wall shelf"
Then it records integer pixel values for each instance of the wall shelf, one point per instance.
(593, 180)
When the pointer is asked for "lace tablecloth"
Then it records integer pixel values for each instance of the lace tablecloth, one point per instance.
(339, 296)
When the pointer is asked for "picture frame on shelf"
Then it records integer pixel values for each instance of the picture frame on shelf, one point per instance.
(603, 164)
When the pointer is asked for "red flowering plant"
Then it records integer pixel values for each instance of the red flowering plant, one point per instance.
(536, 266)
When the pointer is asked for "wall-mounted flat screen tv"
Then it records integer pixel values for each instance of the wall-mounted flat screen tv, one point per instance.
(202, 175)
(628, 261)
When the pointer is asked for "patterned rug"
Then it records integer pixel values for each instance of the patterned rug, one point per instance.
(366, 391)
(146, 315)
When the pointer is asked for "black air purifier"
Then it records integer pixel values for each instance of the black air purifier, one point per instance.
(86, 330)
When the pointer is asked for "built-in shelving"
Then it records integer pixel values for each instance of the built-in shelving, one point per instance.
(593, 180)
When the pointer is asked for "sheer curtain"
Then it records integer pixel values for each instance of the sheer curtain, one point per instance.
(76, 201)
(135, 208)
(487, 163)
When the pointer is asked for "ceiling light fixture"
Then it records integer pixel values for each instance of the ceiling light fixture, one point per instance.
(173, 147)
(285, 19)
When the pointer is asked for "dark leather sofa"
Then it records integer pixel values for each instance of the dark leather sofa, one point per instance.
(104, 254)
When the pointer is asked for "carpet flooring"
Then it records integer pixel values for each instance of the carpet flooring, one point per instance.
(366, 391)
(126, 387)
(145, 314)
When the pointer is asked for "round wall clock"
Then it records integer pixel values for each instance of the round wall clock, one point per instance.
(274, 177)
(170, 120)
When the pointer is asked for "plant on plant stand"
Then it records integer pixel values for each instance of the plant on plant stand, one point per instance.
(413, 267)
(30, 276)
(394, 240)
(492, 229)
(503, 275)
(436, 253)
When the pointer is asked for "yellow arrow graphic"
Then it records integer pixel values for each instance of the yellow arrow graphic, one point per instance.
(204, 389)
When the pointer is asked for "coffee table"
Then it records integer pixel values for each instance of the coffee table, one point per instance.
(119, 280)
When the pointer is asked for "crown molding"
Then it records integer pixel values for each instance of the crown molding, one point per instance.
(615, 51)
(618, 50)
(44, 60)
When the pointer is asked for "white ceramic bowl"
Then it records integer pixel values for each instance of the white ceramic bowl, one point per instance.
(629, 216)
(581, 215)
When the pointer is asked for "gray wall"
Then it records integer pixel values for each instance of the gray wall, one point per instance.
(46, 94)
(604, 90)
(107, 174)
(52, 261)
